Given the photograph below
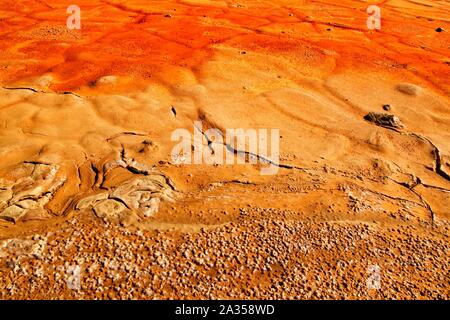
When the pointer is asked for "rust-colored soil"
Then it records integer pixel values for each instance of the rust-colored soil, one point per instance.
(87, 179)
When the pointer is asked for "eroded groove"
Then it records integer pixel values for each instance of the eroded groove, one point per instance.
(124, 133)
(384, 195)
(71, 93)
(246, 153)
(417, 180)
(37, 162)
(436, 187)
(97, 175)
(23, 88)
(40, 91)
(79, 178)
(174, 111)
(426, 205)
(436, 151)
(411, 187)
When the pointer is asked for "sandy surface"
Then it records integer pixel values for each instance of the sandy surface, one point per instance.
(87, 179)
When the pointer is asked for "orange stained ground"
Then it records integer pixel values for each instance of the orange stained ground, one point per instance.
(150, 40)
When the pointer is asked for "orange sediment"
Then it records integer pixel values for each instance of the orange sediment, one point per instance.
(141, 40)
(88, 178)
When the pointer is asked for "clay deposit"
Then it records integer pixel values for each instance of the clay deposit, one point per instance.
(93, 205)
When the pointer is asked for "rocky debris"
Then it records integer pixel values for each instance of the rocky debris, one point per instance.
(361, 201)
(246, 259)
(28, 188)
(357, 205)
(28, 247)
(73, 277)
(384, 120)
(387, 107)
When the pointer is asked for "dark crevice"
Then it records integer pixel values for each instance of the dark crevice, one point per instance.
(389, 197)
(36, 162)
(72, 93)
(410, 187)
(132, 133)
(97, 175)
(121, 201)
(135, 170)
(174, 111)
(247, 154)
(40, 91)
(79, 177)
(22, 88)
(130, 164)
(435, 187)
(437, 156)
(436, 152)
